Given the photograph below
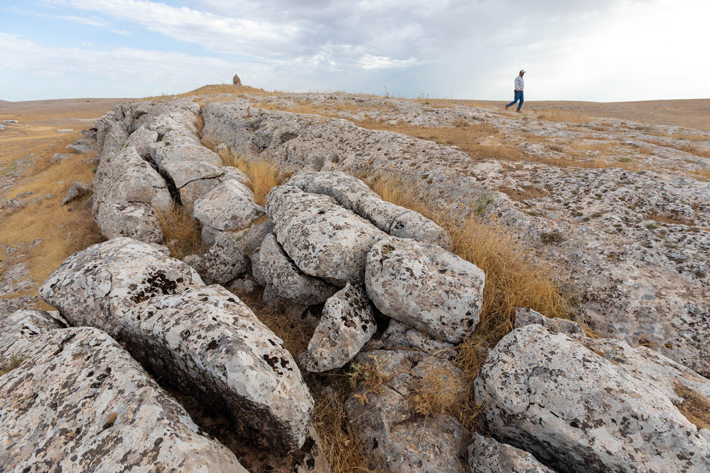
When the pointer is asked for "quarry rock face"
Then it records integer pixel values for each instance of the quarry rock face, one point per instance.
(486, 455)
(346, 324)
(387, 425)
(322, 238)
(99, 285)
(576, 410)
(276, 270)
(425, 286)
(208, 342)
(78, 402)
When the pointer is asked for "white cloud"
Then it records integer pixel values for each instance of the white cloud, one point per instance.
(379, 62)
(87, 21)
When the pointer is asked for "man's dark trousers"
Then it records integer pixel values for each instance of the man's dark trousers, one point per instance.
(518, 96)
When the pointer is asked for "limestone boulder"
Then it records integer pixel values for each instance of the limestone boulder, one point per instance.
(97, 286)
(136, 221)
(346, 324)
(193, 190)
(59, 157)
(78, 402)
(113, 141)
(186, 162)
(393, 436)
(83, 145)
(227, 258)
(278, 271)
(143, 140)
(487, 455)
(321, 237)
(206, 341)
(228, 206)
(426, 287)
(575, 410)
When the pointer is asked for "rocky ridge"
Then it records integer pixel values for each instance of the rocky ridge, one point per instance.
(326, 230)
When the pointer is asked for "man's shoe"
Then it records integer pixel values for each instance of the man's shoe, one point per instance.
(518, 111)
(506, 107)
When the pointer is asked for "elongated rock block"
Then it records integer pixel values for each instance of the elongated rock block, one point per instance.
(78, 402)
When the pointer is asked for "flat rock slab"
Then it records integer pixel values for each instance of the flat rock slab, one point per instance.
(573, 409)
(206, 341)
(275, 269)
(98, 285)
(426, 287)
(346, 324)
(487, 455)
(229, 206)
(137, 221)
(78, 402)
(322, 238)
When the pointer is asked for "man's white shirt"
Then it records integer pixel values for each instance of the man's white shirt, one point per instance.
(519, 84)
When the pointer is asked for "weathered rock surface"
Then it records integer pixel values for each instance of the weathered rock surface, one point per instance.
(322, 238)
(207, 341)
(354, 195)
(78, 402)
(59, 157)
(77, 190)
(83, 145)
(400, 335)
(126, 190)
(632, 242)
(392, 436)
(227, 258)
(486, 455)
(425, 286)
(99, 285)
(229, 206)
(578, 411)
(276, 270)
(346, 324)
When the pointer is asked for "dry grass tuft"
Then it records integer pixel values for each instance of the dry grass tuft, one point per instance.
(667, 219)
(264, 174)
(563, 116)
(440, 392)
(703, 174)
(8, 365)
(695, 406)
(524, 193)
(181, 232)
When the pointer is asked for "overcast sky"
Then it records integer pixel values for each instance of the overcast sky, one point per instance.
(602, 50)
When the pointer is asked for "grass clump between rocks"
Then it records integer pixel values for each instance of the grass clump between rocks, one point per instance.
(181, 232)
(8, 365)
(264, 174)
(695, 407)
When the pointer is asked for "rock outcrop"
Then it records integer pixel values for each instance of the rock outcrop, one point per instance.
(78, 402)
(229, 206)
(425, 286)
(486, 455)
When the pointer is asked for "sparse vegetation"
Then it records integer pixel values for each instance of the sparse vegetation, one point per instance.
(695, 407)
(264, 174)
(181, 232)
(8, 365)
(439, 392)
(551, 237)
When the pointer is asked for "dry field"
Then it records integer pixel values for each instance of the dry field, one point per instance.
(25, 152)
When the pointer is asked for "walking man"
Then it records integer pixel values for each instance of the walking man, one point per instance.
(519, 85)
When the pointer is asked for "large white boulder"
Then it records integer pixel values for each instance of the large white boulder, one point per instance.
(426, 287)
(487, 455)
(206, 341)
(99, 285)
(78, 402)
(585, 405)
(322, 238)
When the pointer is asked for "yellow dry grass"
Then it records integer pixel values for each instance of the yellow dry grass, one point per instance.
(695, 407)
(48, 219)
(440, 392)
(264, 174)
(702, 174)
(8, 365)
(515, 275)
(181, 232)
(553, 115)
